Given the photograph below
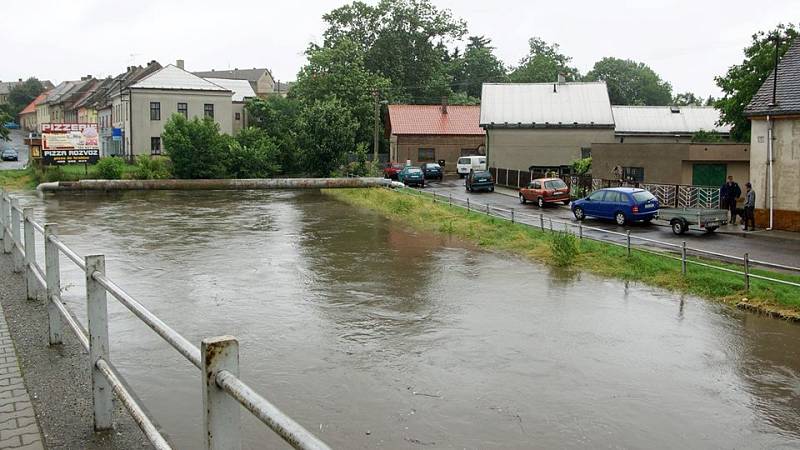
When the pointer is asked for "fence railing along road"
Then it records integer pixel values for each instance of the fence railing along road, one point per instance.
(223, 392)
(626, 240)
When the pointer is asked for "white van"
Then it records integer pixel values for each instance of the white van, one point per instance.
(467, 163)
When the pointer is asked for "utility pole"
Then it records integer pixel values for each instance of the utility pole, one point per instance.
(377, 126)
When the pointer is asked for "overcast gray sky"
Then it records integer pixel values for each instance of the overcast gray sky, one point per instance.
(686, 42)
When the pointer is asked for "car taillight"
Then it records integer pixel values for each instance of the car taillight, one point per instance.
(635, 209)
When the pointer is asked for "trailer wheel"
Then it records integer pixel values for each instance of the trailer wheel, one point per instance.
(678, 226)
(711, 229)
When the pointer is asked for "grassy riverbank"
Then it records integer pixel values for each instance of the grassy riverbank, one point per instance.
(591, 256)
(21, 179)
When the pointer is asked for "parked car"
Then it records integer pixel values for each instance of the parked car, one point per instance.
(432, 171)
(391, 170)
(10, 154)
(467, 163)
(479, 180)
(411, 175)
(545, 190)
(11, 125)
(623, 204)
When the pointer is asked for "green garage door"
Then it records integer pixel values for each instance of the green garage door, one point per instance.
(709, 174)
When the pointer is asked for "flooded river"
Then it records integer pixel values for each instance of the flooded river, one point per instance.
(373, 335)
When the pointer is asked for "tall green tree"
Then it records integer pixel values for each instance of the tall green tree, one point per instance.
(22, 94)
(630, 82)
(687, 99)
(338, 72)
(402, 40)
(476, 66)
(278, 117)
(327, 135)
(741, 82)
(542, 64)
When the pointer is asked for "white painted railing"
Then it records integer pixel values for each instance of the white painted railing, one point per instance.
(217, 358)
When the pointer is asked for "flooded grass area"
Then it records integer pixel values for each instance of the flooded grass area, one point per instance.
(596, 257)
(377, 333)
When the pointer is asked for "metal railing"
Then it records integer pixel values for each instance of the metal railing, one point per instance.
(224, 393)
(625, 240)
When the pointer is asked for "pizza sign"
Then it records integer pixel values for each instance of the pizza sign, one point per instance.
(70, 143)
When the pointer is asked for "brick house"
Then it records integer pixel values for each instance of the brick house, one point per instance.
(431, 133)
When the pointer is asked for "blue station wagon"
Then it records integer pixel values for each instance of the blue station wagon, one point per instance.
(411, 175)
(621, 204)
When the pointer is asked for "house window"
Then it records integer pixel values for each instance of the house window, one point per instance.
(586, 152)
(426, 155)
(470, 152)
(155, 111)
(633, 174)
(208, 110)
(238, 116)
(183, 109)
(155, 145)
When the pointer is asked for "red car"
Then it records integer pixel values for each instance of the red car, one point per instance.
(391, 170)
(545, 190)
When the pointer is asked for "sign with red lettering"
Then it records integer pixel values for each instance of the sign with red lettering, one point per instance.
(70, 143)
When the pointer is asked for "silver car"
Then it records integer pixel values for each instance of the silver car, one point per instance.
(10, 154)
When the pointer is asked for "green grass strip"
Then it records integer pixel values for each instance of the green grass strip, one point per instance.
(592, 256)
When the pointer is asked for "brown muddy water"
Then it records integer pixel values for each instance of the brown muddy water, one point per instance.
(373, 335)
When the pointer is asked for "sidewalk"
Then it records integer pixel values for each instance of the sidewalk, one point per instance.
(735, 230)
(18, 426)
(57, 378)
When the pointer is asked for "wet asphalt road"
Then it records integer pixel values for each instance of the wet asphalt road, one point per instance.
(780, 251)
(17, 142)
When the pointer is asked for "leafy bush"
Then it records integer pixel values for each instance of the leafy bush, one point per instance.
(252, 155)
(152, 168)
(564, 247)
(110, 168)
(196, 147)
(328, 134)
(361, 167)
(582, 166)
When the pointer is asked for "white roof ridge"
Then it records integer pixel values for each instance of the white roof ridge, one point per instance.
(148, 82)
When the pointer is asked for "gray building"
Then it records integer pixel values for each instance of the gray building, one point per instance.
(665, 124)
(542, 127)
(142, 109)
(242, 91)
(260, 80)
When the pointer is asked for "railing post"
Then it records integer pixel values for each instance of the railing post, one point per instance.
(467, 204)
(541, 221)
(628, 237)
(683, 258)
(30, 253)
(580, 230)
(5, 211)
(97, 308)
(512, 215)
(53, 278)
(15, 234)
(487, 210)
(747, 272)
(221, 414)
(450, 200)
(3, 218)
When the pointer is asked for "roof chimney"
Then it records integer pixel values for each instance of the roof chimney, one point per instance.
(444, 105)
(20, 80)
(179, 63)
(561, 78)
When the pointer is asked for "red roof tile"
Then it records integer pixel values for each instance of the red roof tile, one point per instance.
(429, 119)
(31, 108)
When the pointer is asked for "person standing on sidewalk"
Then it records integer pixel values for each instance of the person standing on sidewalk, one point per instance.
(728, 194)
(749, 208)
